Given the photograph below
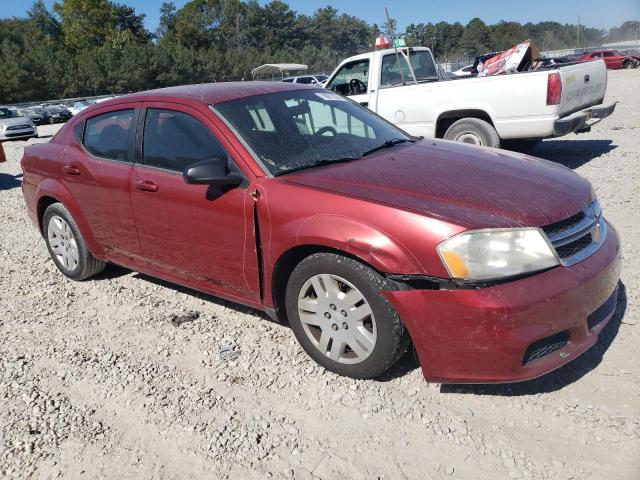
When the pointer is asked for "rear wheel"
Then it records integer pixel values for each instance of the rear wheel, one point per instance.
(339, 317)
(473, 131)
(66, 245)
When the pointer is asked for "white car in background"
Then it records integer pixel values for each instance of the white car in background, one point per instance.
(78, 106)
(464, 72)
(308, 79)
(14, 126)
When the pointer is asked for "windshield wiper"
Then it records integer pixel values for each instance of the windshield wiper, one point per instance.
(387, 144)
(318, 163)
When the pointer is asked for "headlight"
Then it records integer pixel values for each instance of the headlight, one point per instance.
(497, 253)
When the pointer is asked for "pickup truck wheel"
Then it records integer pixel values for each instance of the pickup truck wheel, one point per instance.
(66, 245)
(340, 319)
(473, 131)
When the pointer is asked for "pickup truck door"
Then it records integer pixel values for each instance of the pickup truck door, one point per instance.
(353, 80)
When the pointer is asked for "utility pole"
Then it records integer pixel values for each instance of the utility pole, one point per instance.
(578, 46)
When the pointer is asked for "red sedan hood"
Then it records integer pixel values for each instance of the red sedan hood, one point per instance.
(471, 186)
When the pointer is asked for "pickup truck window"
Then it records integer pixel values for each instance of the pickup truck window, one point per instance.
(422, 65)
(351, 79)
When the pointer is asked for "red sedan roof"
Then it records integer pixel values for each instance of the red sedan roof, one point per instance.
(212, 93)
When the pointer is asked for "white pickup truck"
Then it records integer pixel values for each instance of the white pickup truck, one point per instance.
(510, 110)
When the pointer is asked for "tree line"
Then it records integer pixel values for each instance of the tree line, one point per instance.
(91, 47)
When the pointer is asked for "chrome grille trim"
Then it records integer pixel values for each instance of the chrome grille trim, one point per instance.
(17, 127)
(591, 228)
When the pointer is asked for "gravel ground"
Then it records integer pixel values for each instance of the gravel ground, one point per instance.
(120, 376)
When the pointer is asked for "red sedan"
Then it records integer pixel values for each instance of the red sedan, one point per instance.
(496, 267)
(614, 59)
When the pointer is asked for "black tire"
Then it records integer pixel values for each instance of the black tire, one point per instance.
(522, 144)
(87, 265)
(629, 64)
(392, 338)
(473, 131)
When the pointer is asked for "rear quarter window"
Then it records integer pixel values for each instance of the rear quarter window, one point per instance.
(107, 135)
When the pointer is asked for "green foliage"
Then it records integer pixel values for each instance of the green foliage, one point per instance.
(88, 47)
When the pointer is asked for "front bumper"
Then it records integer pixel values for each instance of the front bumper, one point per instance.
(583, 120)
(482, 335)
(18, 134)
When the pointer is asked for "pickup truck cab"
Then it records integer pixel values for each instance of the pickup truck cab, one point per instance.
(485, 111)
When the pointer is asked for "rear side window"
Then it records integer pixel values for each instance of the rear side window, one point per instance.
(174, 140)
(107, 135)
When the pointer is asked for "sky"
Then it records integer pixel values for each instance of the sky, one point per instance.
(593, 13)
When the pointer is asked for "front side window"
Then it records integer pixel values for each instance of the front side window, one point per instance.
(107, 135)
(421, 63)
(174, 140)
(308, 126)
(351, 79)
(608, 54)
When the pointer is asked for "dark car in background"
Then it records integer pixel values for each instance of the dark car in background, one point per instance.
(37, 115)
(57, 113)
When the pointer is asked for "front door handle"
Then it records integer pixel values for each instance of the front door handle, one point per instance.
(71, 170)
(146, 186)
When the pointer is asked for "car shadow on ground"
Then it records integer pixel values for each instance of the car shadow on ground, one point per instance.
(572, 153)
(565, 375)
(194, 293)
(7, 182)
(409, 362)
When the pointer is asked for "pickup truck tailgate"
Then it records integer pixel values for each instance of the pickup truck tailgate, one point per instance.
(583, 85)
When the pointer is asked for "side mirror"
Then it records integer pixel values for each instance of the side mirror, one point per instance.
(212, 171)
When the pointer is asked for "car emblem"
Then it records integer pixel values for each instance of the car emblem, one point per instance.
(564, 355)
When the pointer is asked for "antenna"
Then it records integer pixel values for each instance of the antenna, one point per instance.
(393, 40)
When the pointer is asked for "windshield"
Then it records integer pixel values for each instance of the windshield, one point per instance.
(6, 113)
(301, 128)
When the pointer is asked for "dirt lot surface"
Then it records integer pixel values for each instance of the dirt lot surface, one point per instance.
(119, 377)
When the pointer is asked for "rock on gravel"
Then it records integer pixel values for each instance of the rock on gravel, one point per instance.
(120, 376)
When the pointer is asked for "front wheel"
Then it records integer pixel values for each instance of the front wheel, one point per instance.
(629, 64)
(473, 131)
(337, 314)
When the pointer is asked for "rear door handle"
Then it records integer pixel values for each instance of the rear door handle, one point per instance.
(146, 186)
(71, 170)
